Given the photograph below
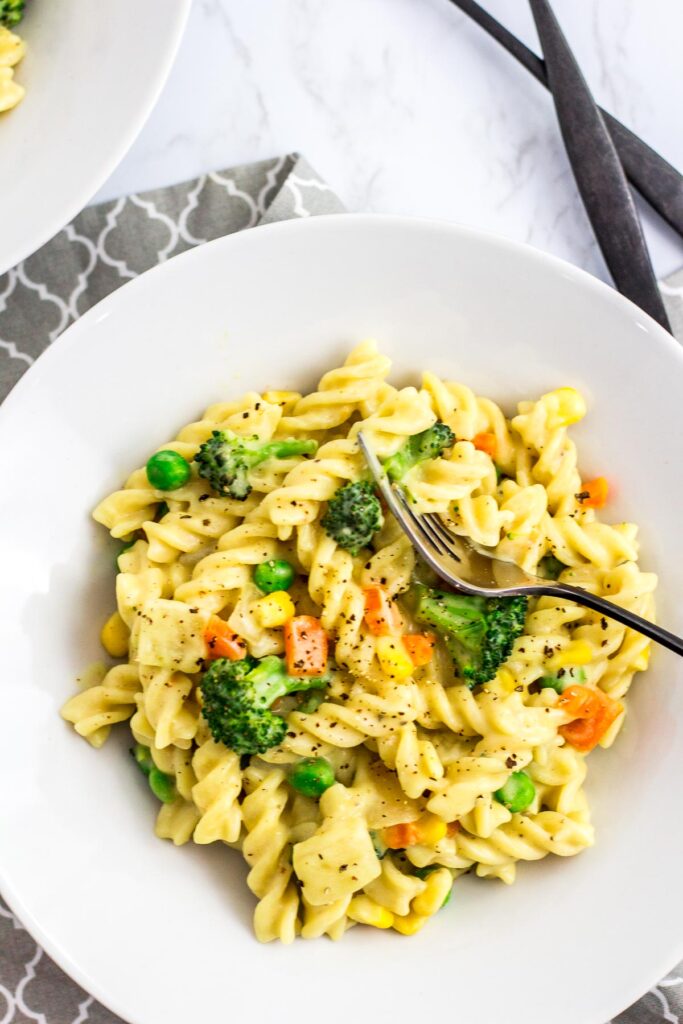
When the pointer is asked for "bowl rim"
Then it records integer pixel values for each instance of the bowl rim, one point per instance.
(347, 221)
(75, 334)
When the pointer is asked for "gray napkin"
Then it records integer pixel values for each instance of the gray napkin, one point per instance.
(109, 244)
(104, 247)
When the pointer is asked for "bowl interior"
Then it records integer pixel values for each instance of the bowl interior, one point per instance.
(92, 73)
(275, 307)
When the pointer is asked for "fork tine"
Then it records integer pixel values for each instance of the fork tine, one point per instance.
(437, 524)
(437, 540)
(420, 523)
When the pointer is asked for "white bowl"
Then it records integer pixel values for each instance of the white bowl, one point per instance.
(92, 73)
(162, 935)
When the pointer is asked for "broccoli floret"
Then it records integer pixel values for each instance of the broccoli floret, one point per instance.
(353, 516)
(478, 631)
(427, 445)
(225, 459)
(236, 700)
(11, 12)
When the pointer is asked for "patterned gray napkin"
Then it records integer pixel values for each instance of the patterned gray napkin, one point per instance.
(104, 247)
(109, 244)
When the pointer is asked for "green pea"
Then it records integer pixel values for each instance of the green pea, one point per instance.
(565, 677)
(162, 785)
(143, 758)
(312, 776)
(517, 794)
(550, 567)
(275, 574)
(167, 470)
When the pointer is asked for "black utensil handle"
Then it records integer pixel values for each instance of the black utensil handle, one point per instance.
(656, 180)
(598, 171)
(622, 615)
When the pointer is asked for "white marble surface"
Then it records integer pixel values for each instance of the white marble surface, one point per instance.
(406, 107)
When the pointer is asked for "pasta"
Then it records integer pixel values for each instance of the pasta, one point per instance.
(389, 767)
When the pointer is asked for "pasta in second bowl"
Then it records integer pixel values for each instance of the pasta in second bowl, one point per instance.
(81, 864)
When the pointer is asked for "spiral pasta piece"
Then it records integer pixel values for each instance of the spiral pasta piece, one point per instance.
(486, 816)
(527, 837)
(167, 704)
(576, 541)
(267, 850)
(176, 821)
(219, 783)
(357, 386)
(218, 577)
(465, 780)
(364, 714)
(110, 698)
(394, 889)
(311, 483)
(414, 760)
(401, 414)
(444, 481)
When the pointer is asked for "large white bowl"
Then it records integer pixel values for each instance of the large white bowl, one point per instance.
(92, 73)
(162, 935)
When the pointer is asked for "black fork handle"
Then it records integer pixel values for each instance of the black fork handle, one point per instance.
(656, 180)
(614, 611)
(598, 171)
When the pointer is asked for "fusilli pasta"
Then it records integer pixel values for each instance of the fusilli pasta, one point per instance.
(388, 771)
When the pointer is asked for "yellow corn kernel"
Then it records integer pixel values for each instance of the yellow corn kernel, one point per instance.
(274, 609)
(366, 911)
(431, 829)
(286, 399)
(114, 636)
(578, 652)
(410, 924)
(568, 406)
(393, 657)
(431, 899)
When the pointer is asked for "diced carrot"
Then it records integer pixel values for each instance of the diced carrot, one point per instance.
(306, 646)
(486, 442)
(420, 647)
(592, 711)
(222, 641)
(382, 617)
(580, 701)
(594, 493)
(397, 837)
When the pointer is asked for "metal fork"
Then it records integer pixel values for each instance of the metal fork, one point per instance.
(472, 570)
